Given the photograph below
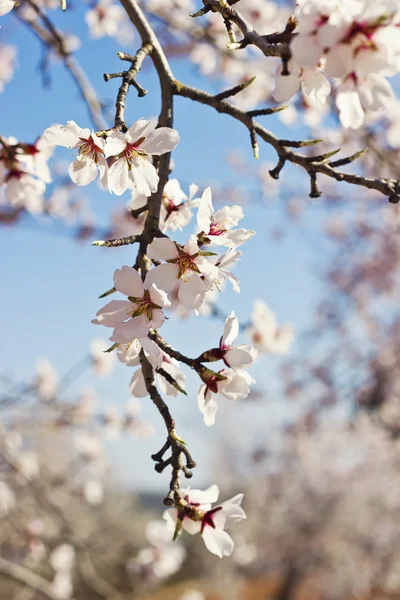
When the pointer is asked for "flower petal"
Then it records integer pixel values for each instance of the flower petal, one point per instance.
(113, 313)
(128, 281)
(218, 541)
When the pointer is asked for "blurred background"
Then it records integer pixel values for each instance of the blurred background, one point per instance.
(314, 447)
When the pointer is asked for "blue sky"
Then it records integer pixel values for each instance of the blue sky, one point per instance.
(50, 283)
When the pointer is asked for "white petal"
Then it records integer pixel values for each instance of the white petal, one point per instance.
(162, 249)
(205, 211)
(160, 141)
(82, 172)
(131, 330)
(208, 496)
(231, 330)
(218, 541)
(128, 281)
(191, 293)
(158, 296)
(115, 143)
(137, 386)
(65, 135)
(113, 313)
(164, 276)
(118, 180)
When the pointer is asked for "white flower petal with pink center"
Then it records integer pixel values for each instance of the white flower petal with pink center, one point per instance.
(130, 165)
(128, 281)
(176, 206)
(113, 313)
(91, 151)
(210, 522)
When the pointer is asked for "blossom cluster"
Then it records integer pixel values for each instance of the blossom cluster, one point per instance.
(355, 44)
(122, 160)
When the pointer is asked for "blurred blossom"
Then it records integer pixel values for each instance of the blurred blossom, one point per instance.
(47, 380)
(27, 464)
(265, 333)
(63, 558)
(7, 499)
(88, 445)
(93, 492)
(192, 595)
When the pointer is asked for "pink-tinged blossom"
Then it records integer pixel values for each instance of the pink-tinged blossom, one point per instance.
(195, 514)
(91, 152)
(104, 18)
(6, 6)
(176, 206)
(235, 357)
(234, 385)
(132, 318)
(217, 227)
(185, 266)
(130, 155)
(265, 333)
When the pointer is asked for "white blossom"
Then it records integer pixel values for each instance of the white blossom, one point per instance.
(104, 18)
(265, 333)
(91, 151)
(132, 318)
(234, 385)
(217, 227)
(185, 266)
(176, 206)
(235, 357)
(130, 156)
(196, 515)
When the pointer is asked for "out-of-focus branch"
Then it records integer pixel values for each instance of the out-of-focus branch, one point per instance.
(54, 39)
(26, 577)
